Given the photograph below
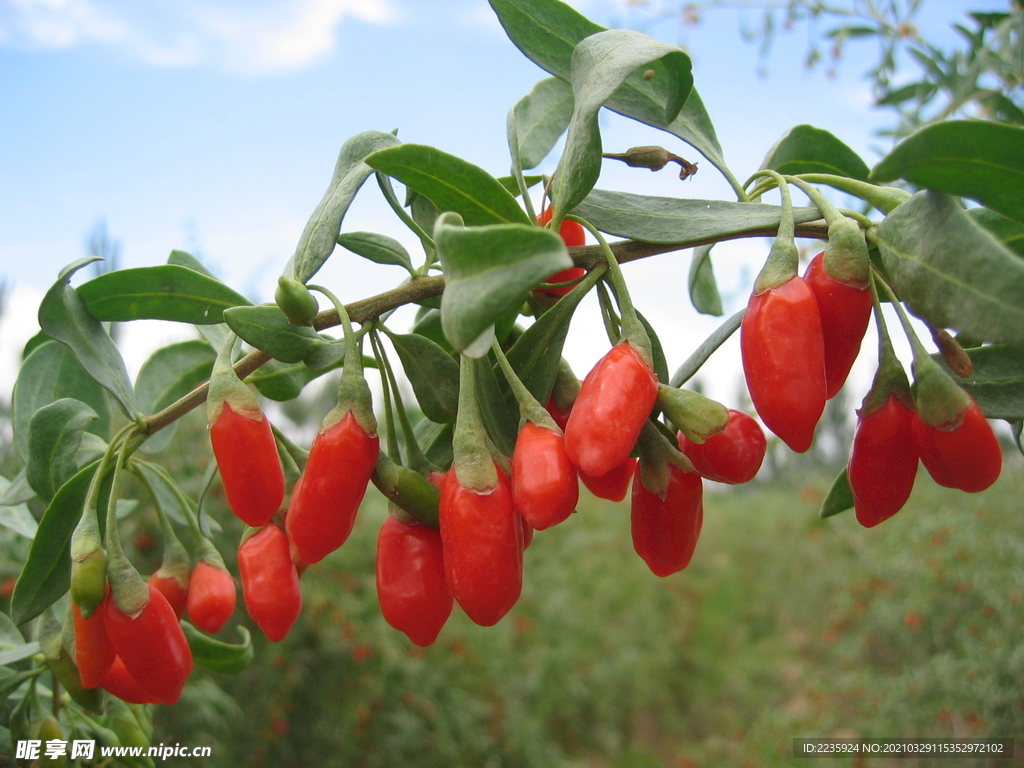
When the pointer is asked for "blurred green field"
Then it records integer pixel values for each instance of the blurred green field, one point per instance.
(783, 626)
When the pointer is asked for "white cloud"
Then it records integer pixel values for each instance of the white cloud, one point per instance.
(259, 36)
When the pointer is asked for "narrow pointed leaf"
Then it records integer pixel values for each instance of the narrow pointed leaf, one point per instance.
(951, 272)
(55, 434)
(266, 327)
(166, 493)
(282, 381)
(500, 420)
(673, 220)
(600, 65)
(489, 271)
(805, 149)
(1007, 231)
(216, 335)
(839, 498)
(168, 375)
(451, 183)
(979, 159)
(18, 491)
(47, 572)
(164, 292)
(703, 286)
(318, 238)
(16, 517)
(377, 248)
(538, 120)
(64, 316)
(433, 374)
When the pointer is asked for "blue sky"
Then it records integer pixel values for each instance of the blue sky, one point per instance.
(213, 126)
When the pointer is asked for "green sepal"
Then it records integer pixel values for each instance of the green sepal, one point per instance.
(226, 387)
(846, 253)
(89, 580)
(657, 453)
(295, 300)
(472, 461)
(697, 416)
(839, 497)
(940, 400)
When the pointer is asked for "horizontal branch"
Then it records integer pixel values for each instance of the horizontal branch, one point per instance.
(422, 288)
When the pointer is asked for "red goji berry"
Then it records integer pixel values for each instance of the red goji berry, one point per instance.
(411, 586)
(844, 311)
(151, 645)
(783, 354)
(883, 462)
(732, 456)
(614, 402)
(94, 653)
(482, 539)
(211, 597)
(613, 485)
(118, 682)
(964, 455)
(249, 465)
(172, 589)
(270, 582)
(572, 233)
(665, 528)
(545, 487)
(323, 508)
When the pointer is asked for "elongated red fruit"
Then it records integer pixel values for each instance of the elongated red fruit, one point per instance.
(845, 311)
(411, 585)
(783, 354)
(118, 682)
(665, 528)
(732, 456)
(482, 539)
(249, 465)
(152, 646)
(613, 485)
(211, 597)
(965, 455)
(270, 582)
(572, 233)
(545, 487)
(94, 653)
(883, 462)
(172, 589)
(614, 402)
(323, 508)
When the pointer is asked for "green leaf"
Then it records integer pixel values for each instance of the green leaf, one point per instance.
(281, 381)
(49, 373)
(318, 238)
(538, 120)
(10, 636)
(600, 65)
(657, 351)
(19, 653)
(433, 374)
(18, 491)
(1007, 231)
(489, 271)
(428, 323)
(16, 517)
(839, 498)
(217, 655)
(805, 149)
(512, 185)
(379, 249)
(547, 32)
(451, 183)
(266, 328)
(55, 434)
(997, 381)
(703, 287)
(63, 316)
(47, 572)
(500, 420)
(1018, 434)
(164, 292)
(673, 220)
(536, 355)
(436, 441)
(951, 272)
(169, 374)
(978, 159)
(216, 335)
